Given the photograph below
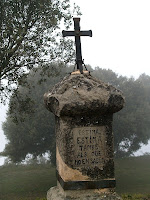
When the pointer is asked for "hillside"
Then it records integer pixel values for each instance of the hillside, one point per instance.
(32, 182)
(133, 175)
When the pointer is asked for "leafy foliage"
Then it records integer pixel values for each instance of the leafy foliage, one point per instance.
(29, 127)
(132, 123)
(29, 37)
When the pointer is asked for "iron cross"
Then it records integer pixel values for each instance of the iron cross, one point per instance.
(77, 33)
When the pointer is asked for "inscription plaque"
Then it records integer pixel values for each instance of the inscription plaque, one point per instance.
(89, 146)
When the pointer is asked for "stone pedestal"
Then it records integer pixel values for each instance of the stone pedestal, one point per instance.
(83, 107)
(57, 193)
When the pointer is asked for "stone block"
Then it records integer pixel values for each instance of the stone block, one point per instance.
(83, 107)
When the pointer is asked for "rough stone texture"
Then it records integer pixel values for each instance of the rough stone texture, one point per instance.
(57, 193)
(87, 156)
(83, 107)
(83, 94)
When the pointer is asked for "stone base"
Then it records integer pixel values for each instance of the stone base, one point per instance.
(57, 193)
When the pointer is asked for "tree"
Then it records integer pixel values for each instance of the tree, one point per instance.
(132, 123)
(29, 127)
(29, 37)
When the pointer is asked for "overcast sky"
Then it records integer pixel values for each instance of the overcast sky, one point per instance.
(121, 35)
(121, 39)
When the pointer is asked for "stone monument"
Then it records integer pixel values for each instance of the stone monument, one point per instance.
(83, 107)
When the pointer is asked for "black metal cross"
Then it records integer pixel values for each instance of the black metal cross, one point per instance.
(77, 33)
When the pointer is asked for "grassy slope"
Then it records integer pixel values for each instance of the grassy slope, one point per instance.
(133, 175)
(30, 182)
(26, 181)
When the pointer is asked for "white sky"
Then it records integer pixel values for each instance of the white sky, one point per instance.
(121, 35)
(121, 39)
(2, 137)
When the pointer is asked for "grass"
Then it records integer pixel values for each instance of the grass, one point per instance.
(29, 182)
(33, 181)
(133, 175)
(135, 197)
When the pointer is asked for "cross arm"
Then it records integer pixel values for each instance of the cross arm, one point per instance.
(68, 33)
(77, 33)
(86, 33)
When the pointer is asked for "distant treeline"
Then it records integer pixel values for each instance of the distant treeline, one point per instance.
(29, 127)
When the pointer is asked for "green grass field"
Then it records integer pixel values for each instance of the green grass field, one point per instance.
(26, 182)
(32, 182)
(133, 175)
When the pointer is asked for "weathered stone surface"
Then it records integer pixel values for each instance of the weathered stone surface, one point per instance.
(83, 94)
(84, 148)
(83, 107)
(56, 193)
